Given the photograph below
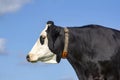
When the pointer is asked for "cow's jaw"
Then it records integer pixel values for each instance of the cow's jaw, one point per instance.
(41, 52)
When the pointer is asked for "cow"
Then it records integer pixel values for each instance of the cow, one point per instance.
(92, 50)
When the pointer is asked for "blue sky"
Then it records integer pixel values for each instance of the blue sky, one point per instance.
(21, 22)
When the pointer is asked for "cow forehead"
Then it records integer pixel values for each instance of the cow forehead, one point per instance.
(44, 33)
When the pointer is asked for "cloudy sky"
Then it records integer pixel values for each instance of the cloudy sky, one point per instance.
(7, 6)
(21, 22)
(2, 46)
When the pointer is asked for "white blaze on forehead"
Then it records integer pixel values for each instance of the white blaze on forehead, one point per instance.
(42, 52)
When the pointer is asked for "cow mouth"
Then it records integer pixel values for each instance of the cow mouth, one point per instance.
(33, 61)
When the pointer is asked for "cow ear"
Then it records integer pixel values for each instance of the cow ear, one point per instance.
(50, 23)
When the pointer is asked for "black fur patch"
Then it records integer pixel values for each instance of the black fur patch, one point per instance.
(93, 50)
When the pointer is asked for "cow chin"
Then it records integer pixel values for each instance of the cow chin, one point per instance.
(48, 59)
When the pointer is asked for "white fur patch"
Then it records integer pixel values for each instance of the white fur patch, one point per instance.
(42, 52)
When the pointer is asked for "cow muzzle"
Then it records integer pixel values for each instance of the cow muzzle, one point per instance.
(31, 58)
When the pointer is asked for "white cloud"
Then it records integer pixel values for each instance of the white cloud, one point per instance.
(2, 45)
(7, 6)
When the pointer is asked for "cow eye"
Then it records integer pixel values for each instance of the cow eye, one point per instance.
(42, 39)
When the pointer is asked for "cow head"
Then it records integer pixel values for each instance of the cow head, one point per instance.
(49, 46)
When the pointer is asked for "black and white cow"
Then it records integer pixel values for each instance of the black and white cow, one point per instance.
(92, 50)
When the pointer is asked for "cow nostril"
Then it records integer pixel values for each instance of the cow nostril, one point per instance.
(28, 58)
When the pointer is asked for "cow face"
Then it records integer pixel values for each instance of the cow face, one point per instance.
(43, 50)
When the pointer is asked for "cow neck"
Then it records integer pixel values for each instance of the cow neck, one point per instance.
(65, 51)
